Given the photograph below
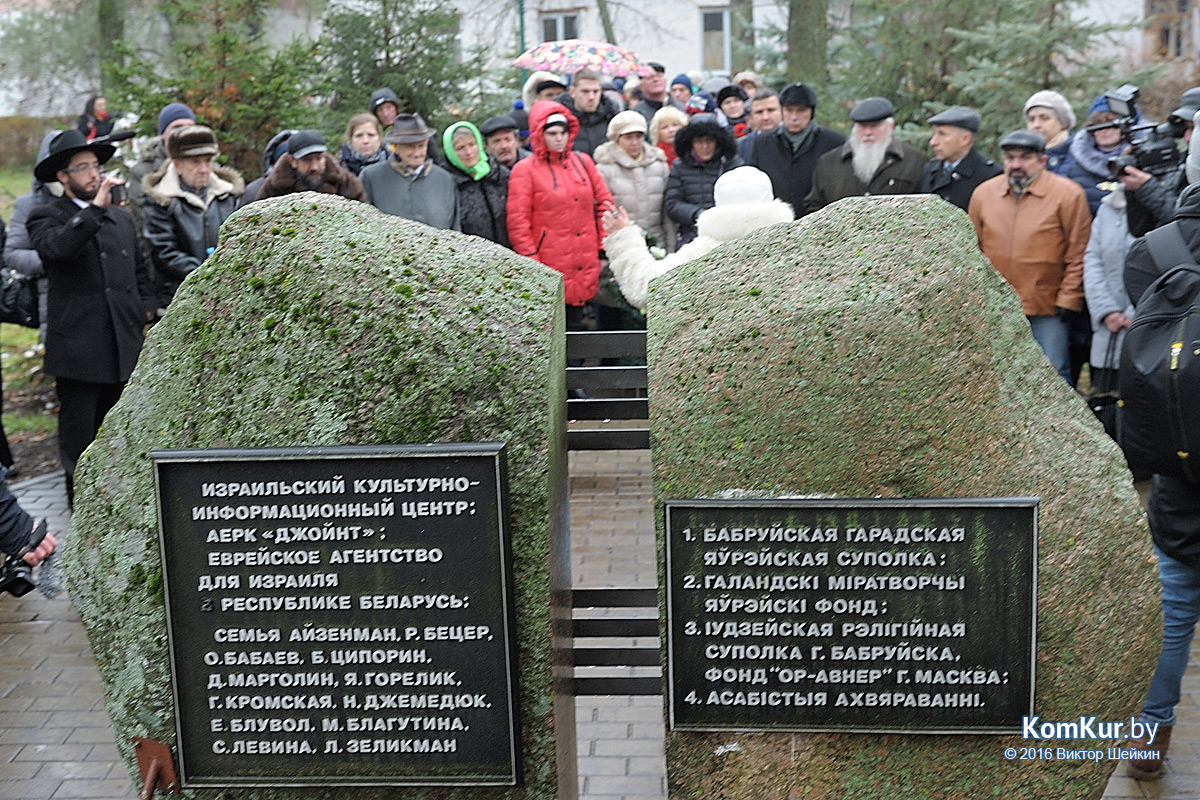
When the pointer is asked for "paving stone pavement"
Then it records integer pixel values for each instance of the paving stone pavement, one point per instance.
(56, 741)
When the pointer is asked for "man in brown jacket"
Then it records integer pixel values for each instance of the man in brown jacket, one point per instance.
(1033, 226)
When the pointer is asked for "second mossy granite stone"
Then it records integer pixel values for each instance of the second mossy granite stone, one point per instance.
(871, 351)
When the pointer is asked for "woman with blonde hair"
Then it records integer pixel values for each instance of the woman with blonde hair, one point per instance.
(362, 143)
(665, 123)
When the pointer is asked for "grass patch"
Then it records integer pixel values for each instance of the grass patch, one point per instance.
(14, 182)
(30, 404)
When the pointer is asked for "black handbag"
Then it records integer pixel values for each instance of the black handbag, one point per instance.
(1103, 396)
(18, 298)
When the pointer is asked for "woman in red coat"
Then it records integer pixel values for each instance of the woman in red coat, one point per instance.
(556, 199)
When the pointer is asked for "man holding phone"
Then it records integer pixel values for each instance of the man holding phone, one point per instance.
(100, 293)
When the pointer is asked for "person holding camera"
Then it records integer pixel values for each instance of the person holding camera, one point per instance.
(20, 538)
(1152, 198)
(100, 292)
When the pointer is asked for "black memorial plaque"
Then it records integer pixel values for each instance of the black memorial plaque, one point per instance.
(908, 616)
(340, 616)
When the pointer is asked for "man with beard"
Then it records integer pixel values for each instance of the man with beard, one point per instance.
(873, 161)
(307, 166)
(100, 295)
(1033, 225)
(957, 167)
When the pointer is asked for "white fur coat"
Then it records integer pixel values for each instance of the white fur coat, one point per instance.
(634, 267)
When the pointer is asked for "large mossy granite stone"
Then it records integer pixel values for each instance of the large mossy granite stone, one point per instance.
(320, 321)
(867, 351)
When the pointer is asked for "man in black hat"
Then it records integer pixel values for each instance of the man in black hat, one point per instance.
(307, 166)
(1152, 200)
(500, 140)
(789, 153)
(872, 161)
(409, 184)
(957, 167)
(1033, 225)
(100, 294)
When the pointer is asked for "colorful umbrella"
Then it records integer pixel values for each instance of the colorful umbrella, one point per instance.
(572, 55)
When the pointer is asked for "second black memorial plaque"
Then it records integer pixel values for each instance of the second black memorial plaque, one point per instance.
(341, 616)
(910, 616)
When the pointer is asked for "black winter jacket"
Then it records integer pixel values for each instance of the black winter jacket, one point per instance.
(1174, 505)
(593, 125)
(180, 228)
(690, 185)
(791, 171)
(482, 204)
(958, 186)
(100, 290)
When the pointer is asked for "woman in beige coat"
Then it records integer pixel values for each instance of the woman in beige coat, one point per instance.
(636, 172)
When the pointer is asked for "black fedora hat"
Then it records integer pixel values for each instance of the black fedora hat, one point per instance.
(62, 148)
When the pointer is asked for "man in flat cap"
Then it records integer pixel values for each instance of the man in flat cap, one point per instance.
(1033, 225)
(307, 166)
(501, 141)
(100, 293)
(789, 152)
(873, 161)
(409, 184)
(957, 167)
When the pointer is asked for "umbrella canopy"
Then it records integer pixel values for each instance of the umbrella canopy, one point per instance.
(572, 55)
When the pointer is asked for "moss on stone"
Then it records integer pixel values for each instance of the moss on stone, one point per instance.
(323, 322)
(870, 350)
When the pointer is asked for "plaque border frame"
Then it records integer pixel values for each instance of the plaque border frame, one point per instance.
(495, 450)
(849, 503)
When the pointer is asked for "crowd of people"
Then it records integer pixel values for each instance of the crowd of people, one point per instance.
(611, 185)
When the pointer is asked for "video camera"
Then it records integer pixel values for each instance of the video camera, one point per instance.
(16, 577)
(1156, 151)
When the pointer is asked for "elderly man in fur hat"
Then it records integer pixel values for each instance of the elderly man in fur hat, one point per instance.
(100, 295)
(187, 200)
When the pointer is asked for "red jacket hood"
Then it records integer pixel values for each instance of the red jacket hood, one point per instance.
(538, 115)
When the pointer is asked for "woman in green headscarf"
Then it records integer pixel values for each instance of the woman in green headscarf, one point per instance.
(482, 185)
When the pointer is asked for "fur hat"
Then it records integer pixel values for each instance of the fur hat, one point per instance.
(194, 140)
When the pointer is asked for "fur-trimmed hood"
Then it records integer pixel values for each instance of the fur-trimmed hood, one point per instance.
(163, 186)
(1091, 158)
(688, 134)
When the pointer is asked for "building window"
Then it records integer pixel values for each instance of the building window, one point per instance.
(560, 26)
(714, 39)
(1171, 26)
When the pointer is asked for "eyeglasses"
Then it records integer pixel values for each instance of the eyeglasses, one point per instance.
(84, 168)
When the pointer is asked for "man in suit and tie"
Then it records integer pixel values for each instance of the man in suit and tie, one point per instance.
(957, 167)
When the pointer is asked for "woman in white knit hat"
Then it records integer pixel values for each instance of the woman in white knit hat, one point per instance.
(1050, 114)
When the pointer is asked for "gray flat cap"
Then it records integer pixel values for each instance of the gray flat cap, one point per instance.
(959, 117)
(873, 109)
(1024, 140)
(1189, 104)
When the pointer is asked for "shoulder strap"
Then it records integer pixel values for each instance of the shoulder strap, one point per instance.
(1168, 247)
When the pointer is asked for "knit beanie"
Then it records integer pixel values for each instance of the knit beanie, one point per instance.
(1056, 103)
(172, 112)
